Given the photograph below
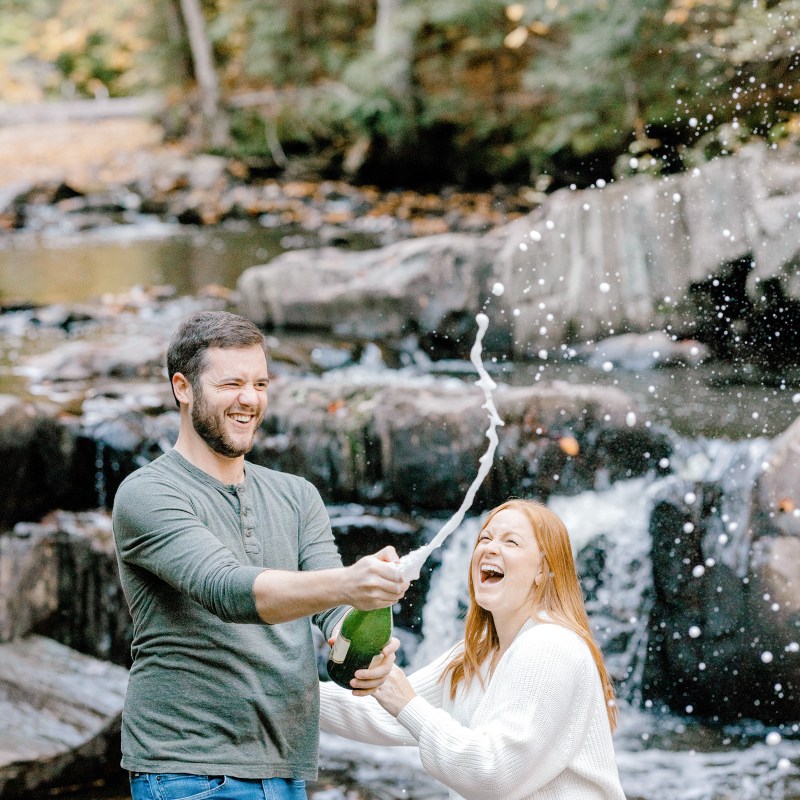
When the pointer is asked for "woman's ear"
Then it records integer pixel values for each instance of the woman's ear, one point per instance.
(537, 581)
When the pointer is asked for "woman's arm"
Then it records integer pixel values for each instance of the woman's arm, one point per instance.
(362, 719)
(525, 729)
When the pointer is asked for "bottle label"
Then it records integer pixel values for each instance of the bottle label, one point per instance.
(339, 649)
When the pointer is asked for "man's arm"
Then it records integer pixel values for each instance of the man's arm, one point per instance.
(372, 582)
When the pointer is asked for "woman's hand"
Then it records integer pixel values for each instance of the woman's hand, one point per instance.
(366, 681)
(395, 692)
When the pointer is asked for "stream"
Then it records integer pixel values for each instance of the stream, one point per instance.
(712, 412)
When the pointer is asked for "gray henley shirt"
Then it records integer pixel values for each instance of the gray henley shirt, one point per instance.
(214, 690)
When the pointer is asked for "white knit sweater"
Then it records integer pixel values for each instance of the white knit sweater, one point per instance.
(538, 730)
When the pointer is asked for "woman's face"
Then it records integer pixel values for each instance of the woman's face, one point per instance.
(505, 564)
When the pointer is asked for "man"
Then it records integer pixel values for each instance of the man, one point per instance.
(222, 562)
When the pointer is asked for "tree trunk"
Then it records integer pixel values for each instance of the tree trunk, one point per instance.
(393, 43)
(214, 123)
(384, 26)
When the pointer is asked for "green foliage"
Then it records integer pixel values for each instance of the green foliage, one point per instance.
(483, 89)
(71, 48)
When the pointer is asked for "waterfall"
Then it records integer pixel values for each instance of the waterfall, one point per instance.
(442, 617)
(661, 756)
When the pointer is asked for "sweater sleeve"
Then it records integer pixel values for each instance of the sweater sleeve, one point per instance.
(156, 529)
(525, 730)
(364, 720)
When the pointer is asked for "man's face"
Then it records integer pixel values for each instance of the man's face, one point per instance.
(230, 399)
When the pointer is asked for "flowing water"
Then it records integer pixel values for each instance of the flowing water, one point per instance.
(721, 420)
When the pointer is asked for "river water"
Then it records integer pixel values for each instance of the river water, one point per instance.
(661, 756)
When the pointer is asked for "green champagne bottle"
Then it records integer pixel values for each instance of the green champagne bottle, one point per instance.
(362, 637)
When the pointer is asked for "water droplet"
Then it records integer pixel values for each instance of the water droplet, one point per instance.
(773, 738)
(498, 289)
(766, 657)
(694, 631)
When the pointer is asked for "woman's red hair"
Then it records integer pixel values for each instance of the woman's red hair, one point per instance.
(559, 594)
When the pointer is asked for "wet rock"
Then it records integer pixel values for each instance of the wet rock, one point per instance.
(406, 440)
(723, 636)
(417, 442)
(37, 462)
(61, 713)
(58, 578)
(134, 356)
(644, 351)
(624, 257)
(432, 286)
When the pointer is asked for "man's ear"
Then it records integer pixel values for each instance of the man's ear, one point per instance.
(181, 388)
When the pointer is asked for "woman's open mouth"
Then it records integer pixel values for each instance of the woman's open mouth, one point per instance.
(491, 574)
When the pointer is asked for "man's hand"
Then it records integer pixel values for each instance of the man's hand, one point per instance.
(366, 681)
(372, 582)
(375, 581)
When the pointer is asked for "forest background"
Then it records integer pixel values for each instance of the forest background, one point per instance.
(427, 93)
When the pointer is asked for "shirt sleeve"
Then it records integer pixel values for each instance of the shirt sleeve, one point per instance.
(364, 720)
(317, 550)
(525, 735)
(156, 529)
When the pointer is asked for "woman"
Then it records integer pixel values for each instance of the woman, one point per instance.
(523, 708)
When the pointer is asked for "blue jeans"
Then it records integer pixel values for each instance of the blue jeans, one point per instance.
(174, 786)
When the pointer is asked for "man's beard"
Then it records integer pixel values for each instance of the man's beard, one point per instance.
(209, 427)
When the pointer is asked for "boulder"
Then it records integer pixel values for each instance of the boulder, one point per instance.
(724, 631)
(59, 578)
(417, 442)
(433, 286)
(633, 256)
(414, 441)
(622, 257)
(37, 461)
(61, 713)
(643, 351)
(133, 357)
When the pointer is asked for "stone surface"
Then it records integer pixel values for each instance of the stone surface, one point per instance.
(587, 263)
(724, 632)
(417, 444)
(432, 287)
(635, 255)
(36, 461)
(61, 715)
(59, 578)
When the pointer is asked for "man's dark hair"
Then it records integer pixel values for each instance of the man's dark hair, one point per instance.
(195, 335)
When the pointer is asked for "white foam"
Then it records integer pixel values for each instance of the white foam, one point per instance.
(411, 563)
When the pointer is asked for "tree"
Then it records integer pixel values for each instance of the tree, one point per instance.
(214, 125)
